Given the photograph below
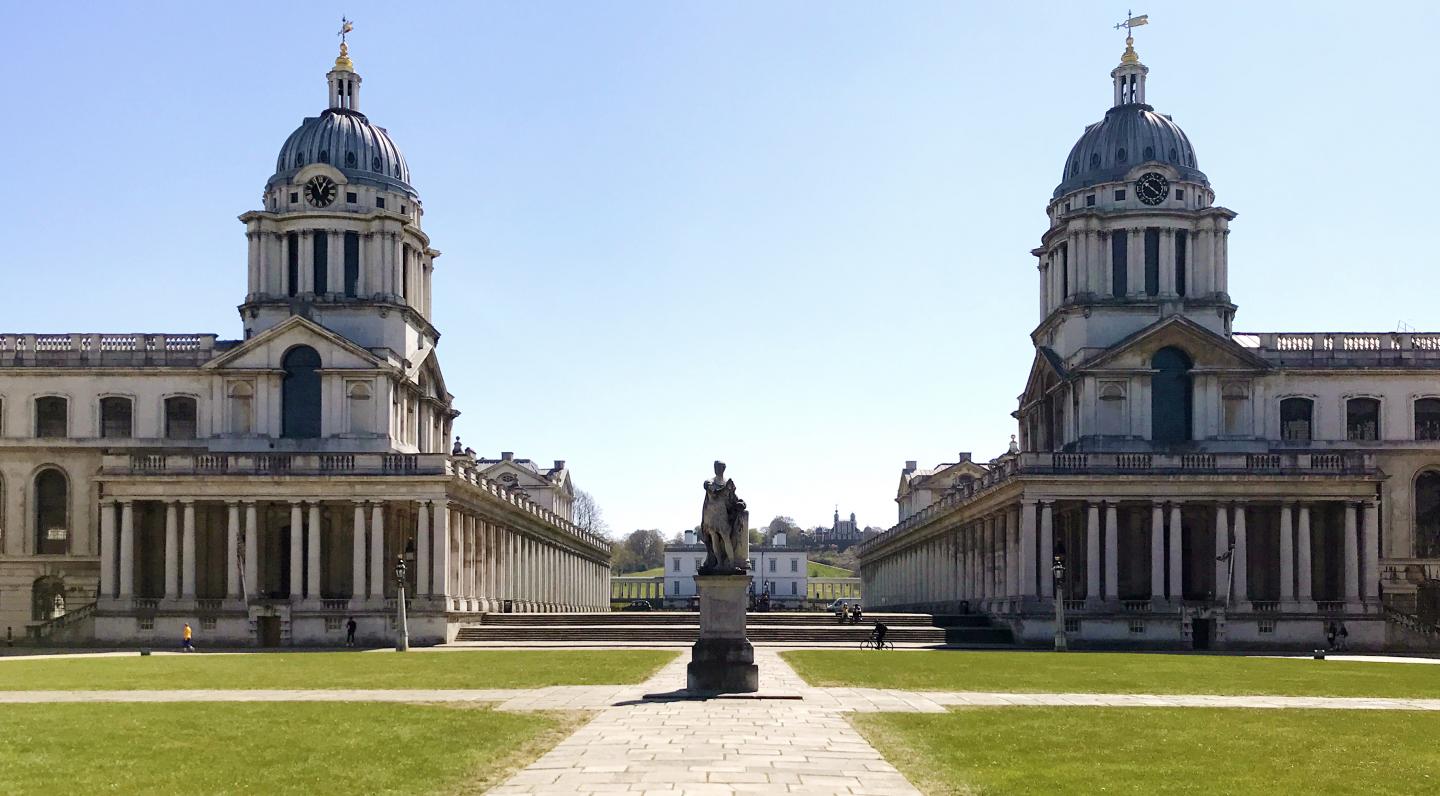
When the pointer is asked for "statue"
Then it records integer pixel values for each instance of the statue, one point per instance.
(724, 527)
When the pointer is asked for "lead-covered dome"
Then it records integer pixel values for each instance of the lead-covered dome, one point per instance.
(348, 141)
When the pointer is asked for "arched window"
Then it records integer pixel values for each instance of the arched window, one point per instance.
(52, 416)
(324, 156)
(350, 159)
(1170, 396)
(1095, 160)
(1427, 515)
(1427, 418)
(300, 393)
(1362, 419)
(361, 409)
(1297, 419)
(180, 415)
(1172, 155)
(1120, 155)
(115, 418)
(376, 166)
(52, 512)
(1149, 153)
(241, 407)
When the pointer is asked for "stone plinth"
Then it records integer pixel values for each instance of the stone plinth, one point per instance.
(722, 660)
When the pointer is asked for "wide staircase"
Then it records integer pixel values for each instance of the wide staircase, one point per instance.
(651, 627)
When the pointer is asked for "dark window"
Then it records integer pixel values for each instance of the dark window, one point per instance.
(1120, 155)
(375, 165)
(1120, 195)
(402, 210)
(51, 416)
(294, 197)
(1427, 515)
(1427, 418)
(1152, 261)
(1090, 200)
(1172, 155)
(1180, 194)
(320, 243)
(52, 526)
(1067, 207)
(380, 202)
(404, 272)
(1149, 153)
(1095, 160)
(350, 159)
(115, 414)
(1119, 263)
(299, 160)
(1170, 396)
(1064, 271)
(300, 393)
(1297, 419)
(1362, 419)
(1182, 240)
(180, 417)
(324, 156)
(292, 263)
(352, 197)
(352, 263)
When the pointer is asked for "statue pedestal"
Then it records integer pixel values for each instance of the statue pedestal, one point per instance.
(722, 660)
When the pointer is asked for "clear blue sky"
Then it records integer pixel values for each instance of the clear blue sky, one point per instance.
(793, 235)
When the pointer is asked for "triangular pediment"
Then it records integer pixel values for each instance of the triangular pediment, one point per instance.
(266, 351)
(1207, 350)
(1046, 371)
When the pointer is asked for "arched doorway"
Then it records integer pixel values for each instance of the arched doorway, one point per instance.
(1427, 514)
(1170, 396)
(47, 598)
(300, 393)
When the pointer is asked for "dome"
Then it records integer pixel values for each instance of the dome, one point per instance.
(1129, 135)
(347, 141)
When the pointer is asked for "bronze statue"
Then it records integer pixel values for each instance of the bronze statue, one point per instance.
(724, 527)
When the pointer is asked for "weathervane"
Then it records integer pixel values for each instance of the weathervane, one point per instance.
(1131, 22)
(346, 26)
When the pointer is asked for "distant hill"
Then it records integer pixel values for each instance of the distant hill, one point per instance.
(818, 570)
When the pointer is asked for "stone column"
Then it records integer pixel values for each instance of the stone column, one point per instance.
(297, 550)
(1092, 551)
(172, 551)
(127, 549)
(377, 551)
(1177, 558)
(1157, 551)
(1287, 553)
(107, 548)
(1027, 548)
(1242, 557)
(232, 550)
(1112, 550)
(440, 585)
(1047, 548)
(1370, 552)
(187, 549)
(357, 552)
(1222, 549)
(423, 556)
(1302, 558)
(1012, 555)
(1352, 553)
(252, 550)
(312, 554)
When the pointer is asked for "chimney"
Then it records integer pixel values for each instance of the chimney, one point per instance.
(690, 537)
(506, 456)
(964, 456)
(559, 464)
(778, 539)
(911, 466)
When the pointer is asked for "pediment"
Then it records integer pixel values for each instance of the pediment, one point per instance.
(1046, 371)
(1207, 350)
(519, 474)
(266, 351)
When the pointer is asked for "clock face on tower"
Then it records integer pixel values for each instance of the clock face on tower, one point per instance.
(320, 191)
(1152, 188)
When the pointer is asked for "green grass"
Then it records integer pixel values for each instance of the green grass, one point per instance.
(1037, 750)
(305, 670)
(654, 572)
(267, 748)
(818, 570)
(1113, 673)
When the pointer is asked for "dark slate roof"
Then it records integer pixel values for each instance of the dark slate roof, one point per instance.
(1137, 131)
(349, 142)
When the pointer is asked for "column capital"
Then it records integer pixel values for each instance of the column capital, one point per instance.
(232, 503)
(108, 501)
(360, 503)
(249, 502)
(186, 501)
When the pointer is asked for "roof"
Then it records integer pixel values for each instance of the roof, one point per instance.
(1128, 136)
(348, 141)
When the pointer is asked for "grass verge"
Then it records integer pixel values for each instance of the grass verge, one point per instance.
(1022, 750)
(312, 748)
(1112, 673)
(306, 670)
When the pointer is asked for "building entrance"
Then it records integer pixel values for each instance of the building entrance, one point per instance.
(1201, 632)
(267, 631)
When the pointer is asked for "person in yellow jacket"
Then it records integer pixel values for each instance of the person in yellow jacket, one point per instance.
(188, 645)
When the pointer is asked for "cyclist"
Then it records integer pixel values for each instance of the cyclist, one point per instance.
(879, 635)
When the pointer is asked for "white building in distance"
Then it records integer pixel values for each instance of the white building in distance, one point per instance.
(776, 569)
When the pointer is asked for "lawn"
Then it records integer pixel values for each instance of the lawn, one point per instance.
(305, 747)
(818, 570)
(1113, 673)
(304, 670)
(1160, 750)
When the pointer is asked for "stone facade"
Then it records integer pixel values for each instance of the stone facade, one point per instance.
(263, 489)
(1199, 486)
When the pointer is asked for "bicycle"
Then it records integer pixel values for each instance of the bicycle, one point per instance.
(872, 644)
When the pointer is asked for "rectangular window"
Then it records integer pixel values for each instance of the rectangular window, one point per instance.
(1120, 195)
(794, 565)
(1295, 419)
(207, 623)
(351, 197)
(380, 202)
(772, 565)
(794, 588)
(1137, 625)
(1072, 625)
(332, 623)
(1266, 625)
(115, 417)
(1362, 419)
(1064, 271)
(352, 264)
(321, 247)
(292, 263)
(294, 197)
(52, 416)
(145, 622)
(1427, 419)
(1152, 261)
(1182, 238)
(1119, 263)
(1180, 194)
(675, 564)
(1090, 200)
(405, 272)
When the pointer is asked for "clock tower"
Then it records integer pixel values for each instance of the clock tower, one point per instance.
(1134, 233)
(339, 240)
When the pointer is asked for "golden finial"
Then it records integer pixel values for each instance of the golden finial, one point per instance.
(1131, 22)
(1130, 57)
(344, 62)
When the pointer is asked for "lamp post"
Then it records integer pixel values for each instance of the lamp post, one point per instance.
(402, 639)
(1058, 569)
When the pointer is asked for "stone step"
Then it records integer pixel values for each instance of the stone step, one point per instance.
(640, 634)
(653, 618)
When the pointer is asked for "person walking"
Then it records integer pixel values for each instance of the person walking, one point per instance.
(350, 632)
(187, 643)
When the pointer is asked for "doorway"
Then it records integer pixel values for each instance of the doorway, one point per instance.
(1201, 632)
(267, 631)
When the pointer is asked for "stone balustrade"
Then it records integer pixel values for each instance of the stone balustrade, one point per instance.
(1342, 348)
(92, 349)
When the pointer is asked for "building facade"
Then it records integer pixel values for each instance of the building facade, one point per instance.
(1201, 487)
(776, 569)
(264, 489)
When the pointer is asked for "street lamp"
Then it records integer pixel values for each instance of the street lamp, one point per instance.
(402, 639)
(1058, 569)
